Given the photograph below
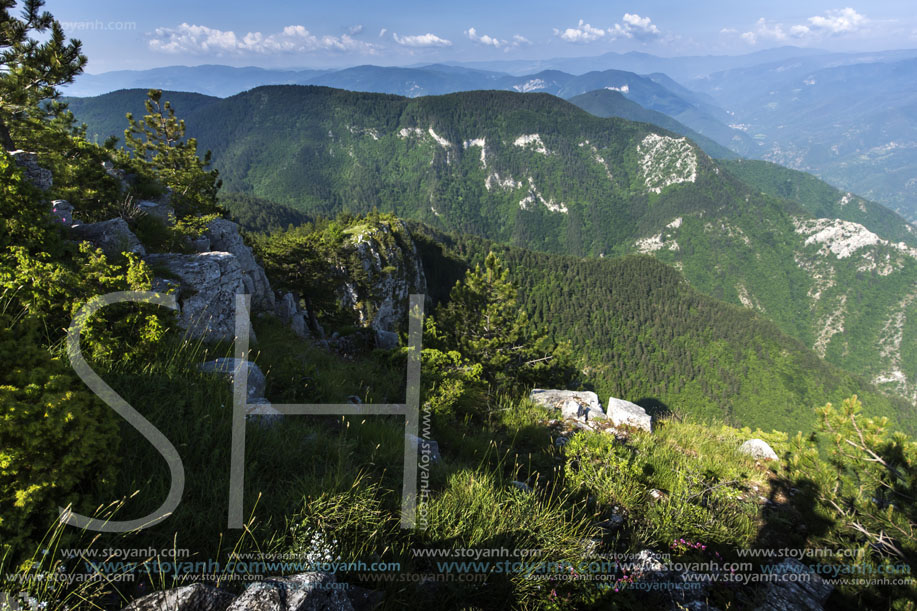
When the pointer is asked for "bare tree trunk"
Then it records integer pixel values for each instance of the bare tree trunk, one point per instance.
(6, 141)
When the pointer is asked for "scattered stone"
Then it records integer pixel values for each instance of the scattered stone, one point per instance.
(261, 410)
(299, 326)
(583, 406)
(112, 236)
(34, 173)
(426, 446)
(62, 210)
(207, 299)
(286, 307)
(613, 523)
(196, 597)
(163, 212)
(117, 174)
(649, 562)
(227, 367)
(797, 588)
(561, 441)
(386, 340)
(758, 449)
(224, 236)
(623, 412)
(304, 592)
(521, 486)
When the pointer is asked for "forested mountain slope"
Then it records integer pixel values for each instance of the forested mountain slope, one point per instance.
(642, 333)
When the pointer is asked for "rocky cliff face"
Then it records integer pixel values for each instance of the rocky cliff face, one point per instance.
(381, 269)
(378, 267)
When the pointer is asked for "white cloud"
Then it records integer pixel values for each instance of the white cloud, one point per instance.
(355, 30)
(765, 31)
(422, 40)
(839, 21)
(382, 32)
(833, 22)
(498, 43)
(200, 39)
(632, 26)
(484, 39)
(638, 27)
(582, 33)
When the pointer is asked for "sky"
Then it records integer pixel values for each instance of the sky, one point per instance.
(120, 34)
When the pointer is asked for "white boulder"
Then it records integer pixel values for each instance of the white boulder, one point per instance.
(623, 412)
(574, 404)
(759, 449)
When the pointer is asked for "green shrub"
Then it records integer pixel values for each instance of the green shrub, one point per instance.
(57, 440)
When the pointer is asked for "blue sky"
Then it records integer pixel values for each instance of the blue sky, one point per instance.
(120, 34)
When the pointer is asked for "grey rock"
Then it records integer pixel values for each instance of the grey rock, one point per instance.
(583, 406)
(201, 244)
(209, 283)
(112, 236)
(262, 412)
(386, 340)
(227, 367)
(696, 605)
(623, 412)
(796, 588)
(426, 447)
(286, 307)
(224, 236)
(117, 174)
(521, 486)
(62, 211)
(759, 449)
(299, 326)
(196, 597)
(34, 173)
(163, 212)
(304, 592)
(166, 285)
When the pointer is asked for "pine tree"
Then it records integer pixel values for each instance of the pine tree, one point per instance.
(159, 140)
(30, 70)
(484, 322)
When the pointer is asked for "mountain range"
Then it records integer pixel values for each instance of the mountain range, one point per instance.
(846, 117)
(538, 172)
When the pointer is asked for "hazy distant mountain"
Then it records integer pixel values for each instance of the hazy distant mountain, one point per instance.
(607, 103)
(410, 82)
(220, 81)
(655, 92)
(679, 68)
(855, 125)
